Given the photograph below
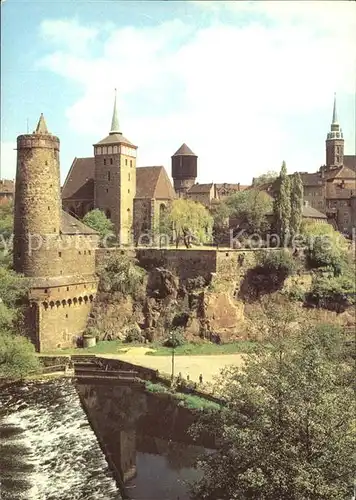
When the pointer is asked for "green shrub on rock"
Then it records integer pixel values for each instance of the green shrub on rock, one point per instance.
(122, 275)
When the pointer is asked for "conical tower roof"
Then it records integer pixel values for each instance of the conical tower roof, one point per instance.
(115, 129)
(41, 126)
(335, 120)
(184, 150)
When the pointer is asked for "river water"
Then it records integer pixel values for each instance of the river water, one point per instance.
(48, 451)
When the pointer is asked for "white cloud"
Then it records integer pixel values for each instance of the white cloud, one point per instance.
(8, 160)
(232, 91)
(68, 33)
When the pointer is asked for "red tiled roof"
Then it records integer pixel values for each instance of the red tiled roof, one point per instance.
(79, 184)
(71, 225)
(350, 162)
(7, 186)
(200, 188)
(153, 182)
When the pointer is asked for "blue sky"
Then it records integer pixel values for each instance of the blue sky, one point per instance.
(246, 85)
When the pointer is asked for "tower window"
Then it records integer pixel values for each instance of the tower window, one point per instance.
(128, 191)
(59, 254)
(129, 178)
(130, 163)
(125, 161)
(109, 176)
(110, 161)
(104, 161)
(107, 190)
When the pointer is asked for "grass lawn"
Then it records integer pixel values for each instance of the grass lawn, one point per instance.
(203, 349)
(190, 349)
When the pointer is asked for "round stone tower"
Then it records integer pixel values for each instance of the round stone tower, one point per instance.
(184, 169)
(37, 200)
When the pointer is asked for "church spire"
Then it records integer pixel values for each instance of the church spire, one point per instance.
(335, 120)
(41, 126)
(115, 129)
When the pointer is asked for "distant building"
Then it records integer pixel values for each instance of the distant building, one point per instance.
(132, 198)
(332, 189)
(7, 188)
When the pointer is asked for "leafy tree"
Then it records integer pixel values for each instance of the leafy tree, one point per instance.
(296, 204)
(6, 233)
(282, 205)
(287, 430)
(13, 287)
(97, 220)
(268, 177)
(17, 356)
(189, 219)
(220, 214)
(122, 275)
(251, 207)
(6, 220)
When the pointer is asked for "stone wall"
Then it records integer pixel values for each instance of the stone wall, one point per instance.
(58, 255)
(62, 322)
(186, 264)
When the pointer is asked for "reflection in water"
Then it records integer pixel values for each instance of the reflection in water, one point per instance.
(164, 469)
(140, 432)
(47, 448)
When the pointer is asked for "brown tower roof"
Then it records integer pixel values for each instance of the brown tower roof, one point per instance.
(114, 138)
(79, 184)
(41, 126)
(184, 150)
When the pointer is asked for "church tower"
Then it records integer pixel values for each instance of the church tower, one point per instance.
(37, 199)
(334, 142)
(184, 169)
(115, 179)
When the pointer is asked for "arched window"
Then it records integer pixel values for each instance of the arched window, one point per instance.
(109, 150)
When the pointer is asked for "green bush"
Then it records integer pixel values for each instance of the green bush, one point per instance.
(133, 334)
(151, 387)
(324, 252)
(332, 292)
(277, 261)
(97, 220)
(176, 338)
(268, 275)
(122, 275)
(17, 356)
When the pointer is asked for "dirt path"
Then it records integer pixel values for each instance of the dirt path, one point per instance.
(208, 366)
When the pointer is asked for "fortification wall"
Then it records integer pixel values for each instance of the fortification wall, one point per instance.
(187, 264)
(63, 319)
(58, 255)
(103, 255)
